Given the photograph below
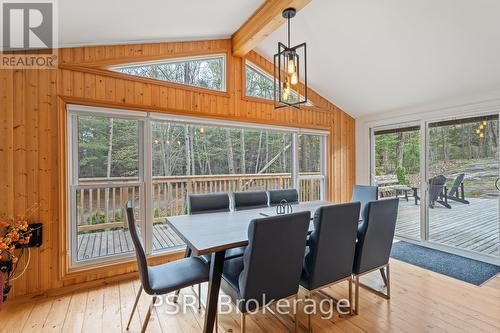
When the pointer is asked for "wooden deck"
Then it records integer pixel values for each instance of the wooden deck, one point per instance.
(105, 243)
(472, 227)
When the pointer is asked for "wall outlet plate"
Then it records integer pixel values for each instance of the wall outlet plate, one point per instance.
(36, 239)
(5, 266)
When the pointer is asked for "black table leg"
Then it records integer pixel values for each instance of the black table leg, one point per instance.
(216, 266)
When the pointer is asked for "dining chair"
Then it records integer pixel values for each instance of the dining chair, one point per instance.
(206, 204)
(374, 245)
(249, 200)
(290, 195)
(330, 253)
(165, 278)
(267, 271)
(364, 194)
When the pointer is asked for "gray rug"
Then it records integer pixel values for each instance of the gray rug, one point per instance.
(461, 268)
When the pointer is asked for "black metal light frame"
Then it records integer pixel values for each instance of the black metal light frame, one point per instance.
(283, 54)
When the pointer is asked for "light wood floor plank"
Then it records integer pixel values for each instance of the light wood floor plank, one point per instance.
(422, 301)
(76, 312)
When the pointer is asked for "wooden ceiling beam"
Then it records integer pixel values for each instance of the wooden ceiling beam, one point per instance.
(261, 24)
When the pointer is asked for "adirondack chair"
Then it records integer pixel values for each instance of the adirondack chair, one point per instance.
(438, 193)
(454, 193)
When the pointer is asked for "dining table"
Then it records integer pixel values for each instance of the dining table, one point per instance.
(215, 233)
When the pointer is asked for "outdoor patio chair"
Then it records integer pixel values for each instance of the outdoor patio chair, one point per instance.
(454, 193)
(438, 193)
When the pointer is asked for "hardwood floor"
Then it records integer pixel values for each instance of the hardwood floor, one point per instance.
(422, 301)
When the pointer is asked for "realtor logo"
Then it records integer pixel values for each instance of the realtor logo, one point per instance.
(28, 34)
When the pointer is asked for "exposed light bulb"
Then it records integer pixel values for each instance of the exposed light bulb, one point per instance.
(481, 135)
(157, 141)
(168, 142)
(286, 94)
(179, 143)
(202, 130)
(286, 90)
(291, 65)
(481, 126)
(295, 78)
(478, 131)
(485, 123)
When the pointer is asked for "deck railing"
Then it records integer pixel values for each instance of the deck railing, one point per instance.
(101, 204)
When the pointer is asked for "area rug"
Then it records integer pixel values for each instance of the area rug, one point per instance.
(461, 268)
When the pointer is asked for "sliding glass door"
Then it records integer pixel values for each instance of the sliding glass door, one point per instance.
(396, 172)
(446, 175)
(462, 170)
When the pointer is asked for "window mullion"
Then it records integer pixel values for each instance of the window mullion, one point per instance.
(148, 184)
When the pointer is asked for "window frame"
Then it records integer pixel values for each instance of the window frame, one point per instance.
(179, 60)
(145, 178)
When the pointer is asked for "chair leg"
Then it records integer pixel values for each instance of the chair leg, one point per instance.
(350, 296)
(148, 315)
(242, 323)
(309, 328)
(384, 277)
(296, 314)
(356, 295)
(199, 297)
(135, 306)
(388, 284)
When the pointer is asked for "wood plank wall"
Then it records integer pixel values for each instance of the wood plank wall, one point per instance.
(33, 145)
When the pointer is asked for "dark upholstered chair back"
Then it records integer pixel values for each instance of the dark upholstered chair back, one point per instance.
(139, 249)
(290, 195)
(376, 235)
(274, 256)
(364, 194)
(249, 200)
(208, 203)
(331, 245)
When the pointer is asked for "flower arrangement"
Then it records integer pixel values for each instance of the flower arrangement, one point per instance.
(15, 235)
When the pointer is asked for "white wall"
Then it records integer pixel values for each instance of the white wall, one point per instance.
(477, 106)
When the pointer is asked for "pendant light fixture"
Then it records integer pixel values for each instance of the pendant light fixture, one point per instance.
(288, 90)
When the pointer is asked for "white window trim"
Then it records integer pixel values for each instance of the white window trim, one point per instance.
(144, 180)
(178, 60)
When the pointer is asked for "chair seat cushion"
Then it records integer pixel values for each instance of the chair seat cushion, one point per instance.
(176, 275)
(230, 254)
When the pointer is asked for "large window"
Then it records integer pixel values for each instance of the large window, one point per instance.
(106, 172)
(207, 72)
(311, 173)
(155, 162)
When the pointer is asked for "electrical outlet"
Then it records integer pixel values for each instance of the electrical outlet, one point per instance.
(5, 266)
(36, 235)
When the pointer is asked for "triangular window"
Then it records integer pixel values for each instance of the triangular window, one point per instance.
(202, 72)
(261, 85)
